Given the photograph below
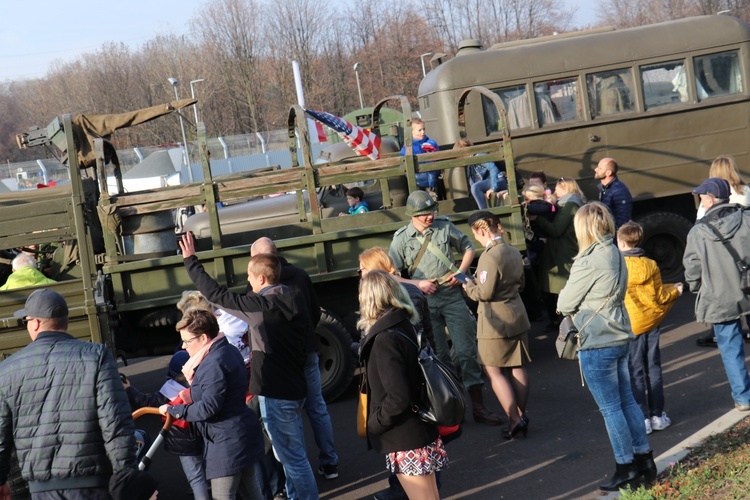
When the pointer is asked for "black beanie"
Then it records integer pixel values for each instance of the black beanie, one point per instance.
(132, 484)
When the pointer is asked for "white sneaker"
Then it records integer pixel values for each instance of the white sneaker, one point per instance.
(648, 426)
(660, 423)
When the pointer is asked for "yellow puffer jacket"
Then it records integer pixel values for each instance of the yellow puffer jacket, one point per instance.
(647, 300)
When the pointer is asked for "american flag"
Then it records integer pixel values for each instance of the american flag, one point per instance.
(364, 142)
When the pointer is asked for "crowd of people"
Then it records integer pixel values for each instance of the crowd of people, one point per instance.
(247, 368)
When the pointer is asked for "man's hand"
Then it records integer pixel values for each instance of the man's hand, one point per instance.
(428, 287)
(5, 492)
(679, 287)
(187, 245)
(453, 282)
(163, 409)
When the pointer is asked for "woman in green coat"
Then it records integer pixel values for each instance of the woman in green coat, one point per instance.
(561, 246)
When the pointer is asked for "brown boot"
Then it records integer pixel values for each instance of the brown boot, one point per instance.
(480, 412)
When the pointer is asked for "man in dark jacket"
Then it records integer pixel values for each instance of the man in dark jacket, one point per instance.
(613, 192)
(315, 406)
(712, 272)
(279, 326)
(63, 407)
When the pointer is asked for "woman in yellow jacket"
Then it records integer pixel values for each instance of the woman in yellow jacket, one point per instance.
(647, 302)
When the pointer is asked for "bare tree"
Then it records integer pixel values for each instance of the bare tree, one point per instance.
(229, 32)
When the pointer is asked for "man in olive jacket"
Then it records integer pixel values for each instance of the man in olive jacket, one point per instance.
(63, 407)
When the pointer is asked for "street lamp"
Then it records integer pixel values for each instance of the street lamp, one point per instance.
(192, 94)
(174, 82)
(421, 58)
(359, 89)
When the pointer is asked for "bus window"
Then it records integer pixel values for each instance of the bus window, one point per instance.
(611, 92)
(517, 105)
(557, 101)
(718, 74)
(664, 83)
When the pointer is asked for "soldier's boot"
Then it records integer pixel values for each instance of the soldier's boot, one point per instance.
(480, 412)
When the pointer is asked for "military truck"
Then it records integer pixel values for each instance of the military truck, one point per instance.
(117, 252)
(664, 100)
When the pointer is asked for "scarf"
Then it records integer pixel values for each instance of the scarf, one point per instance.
(192, 364)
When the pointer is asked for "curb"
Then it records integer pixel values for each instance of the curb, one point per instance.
(681, 450)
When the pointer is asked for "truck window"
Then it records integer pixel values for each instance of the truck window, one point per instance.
(516, 102)
(557, 101)
(664, 84)
(718, 74)
(610, 92)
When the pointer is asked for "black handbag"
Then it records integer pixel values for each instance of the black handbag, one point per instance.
(441, 400)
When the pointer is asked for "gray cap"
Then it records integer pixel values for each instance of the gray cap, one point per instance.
(44, 304)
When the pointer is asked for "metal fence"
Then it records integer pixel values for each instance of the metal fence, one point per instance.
(228, 155)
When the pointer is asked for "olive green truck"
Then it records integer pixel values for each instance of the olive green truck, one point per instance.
(117, 260)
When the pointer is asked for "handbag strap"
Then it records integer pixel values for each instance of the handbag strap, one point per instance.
(418, 343)
(728, 245)
(619, 271)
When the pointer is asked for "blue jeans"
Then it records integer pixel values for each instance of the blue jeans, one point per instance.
(479, 188)
(729, 338)
(317, 412)
(240, 485)
(645, 373)
(195, 471)
(606, 373)
(283, 420)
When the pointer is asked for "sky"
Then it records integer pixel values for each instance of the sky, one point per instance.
(33, 36)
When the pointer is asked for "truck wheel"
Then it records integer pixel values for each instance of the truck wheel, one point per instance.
(335, 356)
(664, 239)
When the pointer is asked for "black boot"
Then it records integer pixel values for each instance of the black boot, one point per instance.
(644, 463)
(623, 476)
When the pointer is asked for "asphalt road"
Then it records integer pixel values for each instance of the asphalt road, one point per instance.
(566, 454)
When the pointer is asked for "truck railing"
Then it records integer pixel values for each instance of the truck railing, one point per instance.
(312, 236)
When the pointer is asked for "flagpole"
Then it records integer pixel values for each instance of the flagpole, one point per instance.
(301, 100)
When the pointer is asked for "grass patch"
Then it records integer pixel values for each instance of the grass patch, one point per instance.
(718, 468)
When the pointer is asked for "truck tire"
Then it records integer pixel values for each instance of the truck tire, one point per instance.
(19, 489)
(335, 356)
(664, 239)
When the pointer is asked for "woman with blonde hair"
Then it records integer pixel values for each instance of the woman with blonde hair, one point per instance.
(725, 167)
(377, 258)
(561, 245)
(594, 297)
(413, 448)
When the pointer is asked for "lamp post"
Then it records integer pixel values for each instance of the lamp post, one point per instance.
(359, 89)
(421, 59)
(192, 94)
(174, 82)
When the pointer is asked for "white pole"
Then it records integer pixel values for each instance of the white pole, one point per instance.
(301, 101)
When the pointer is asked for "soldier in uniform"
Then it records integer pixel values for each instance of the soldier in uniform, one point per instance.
(424, 248)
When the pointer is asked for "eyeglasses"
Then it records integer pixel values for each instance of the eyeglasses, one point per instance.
(187, 342)
(25, 321)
